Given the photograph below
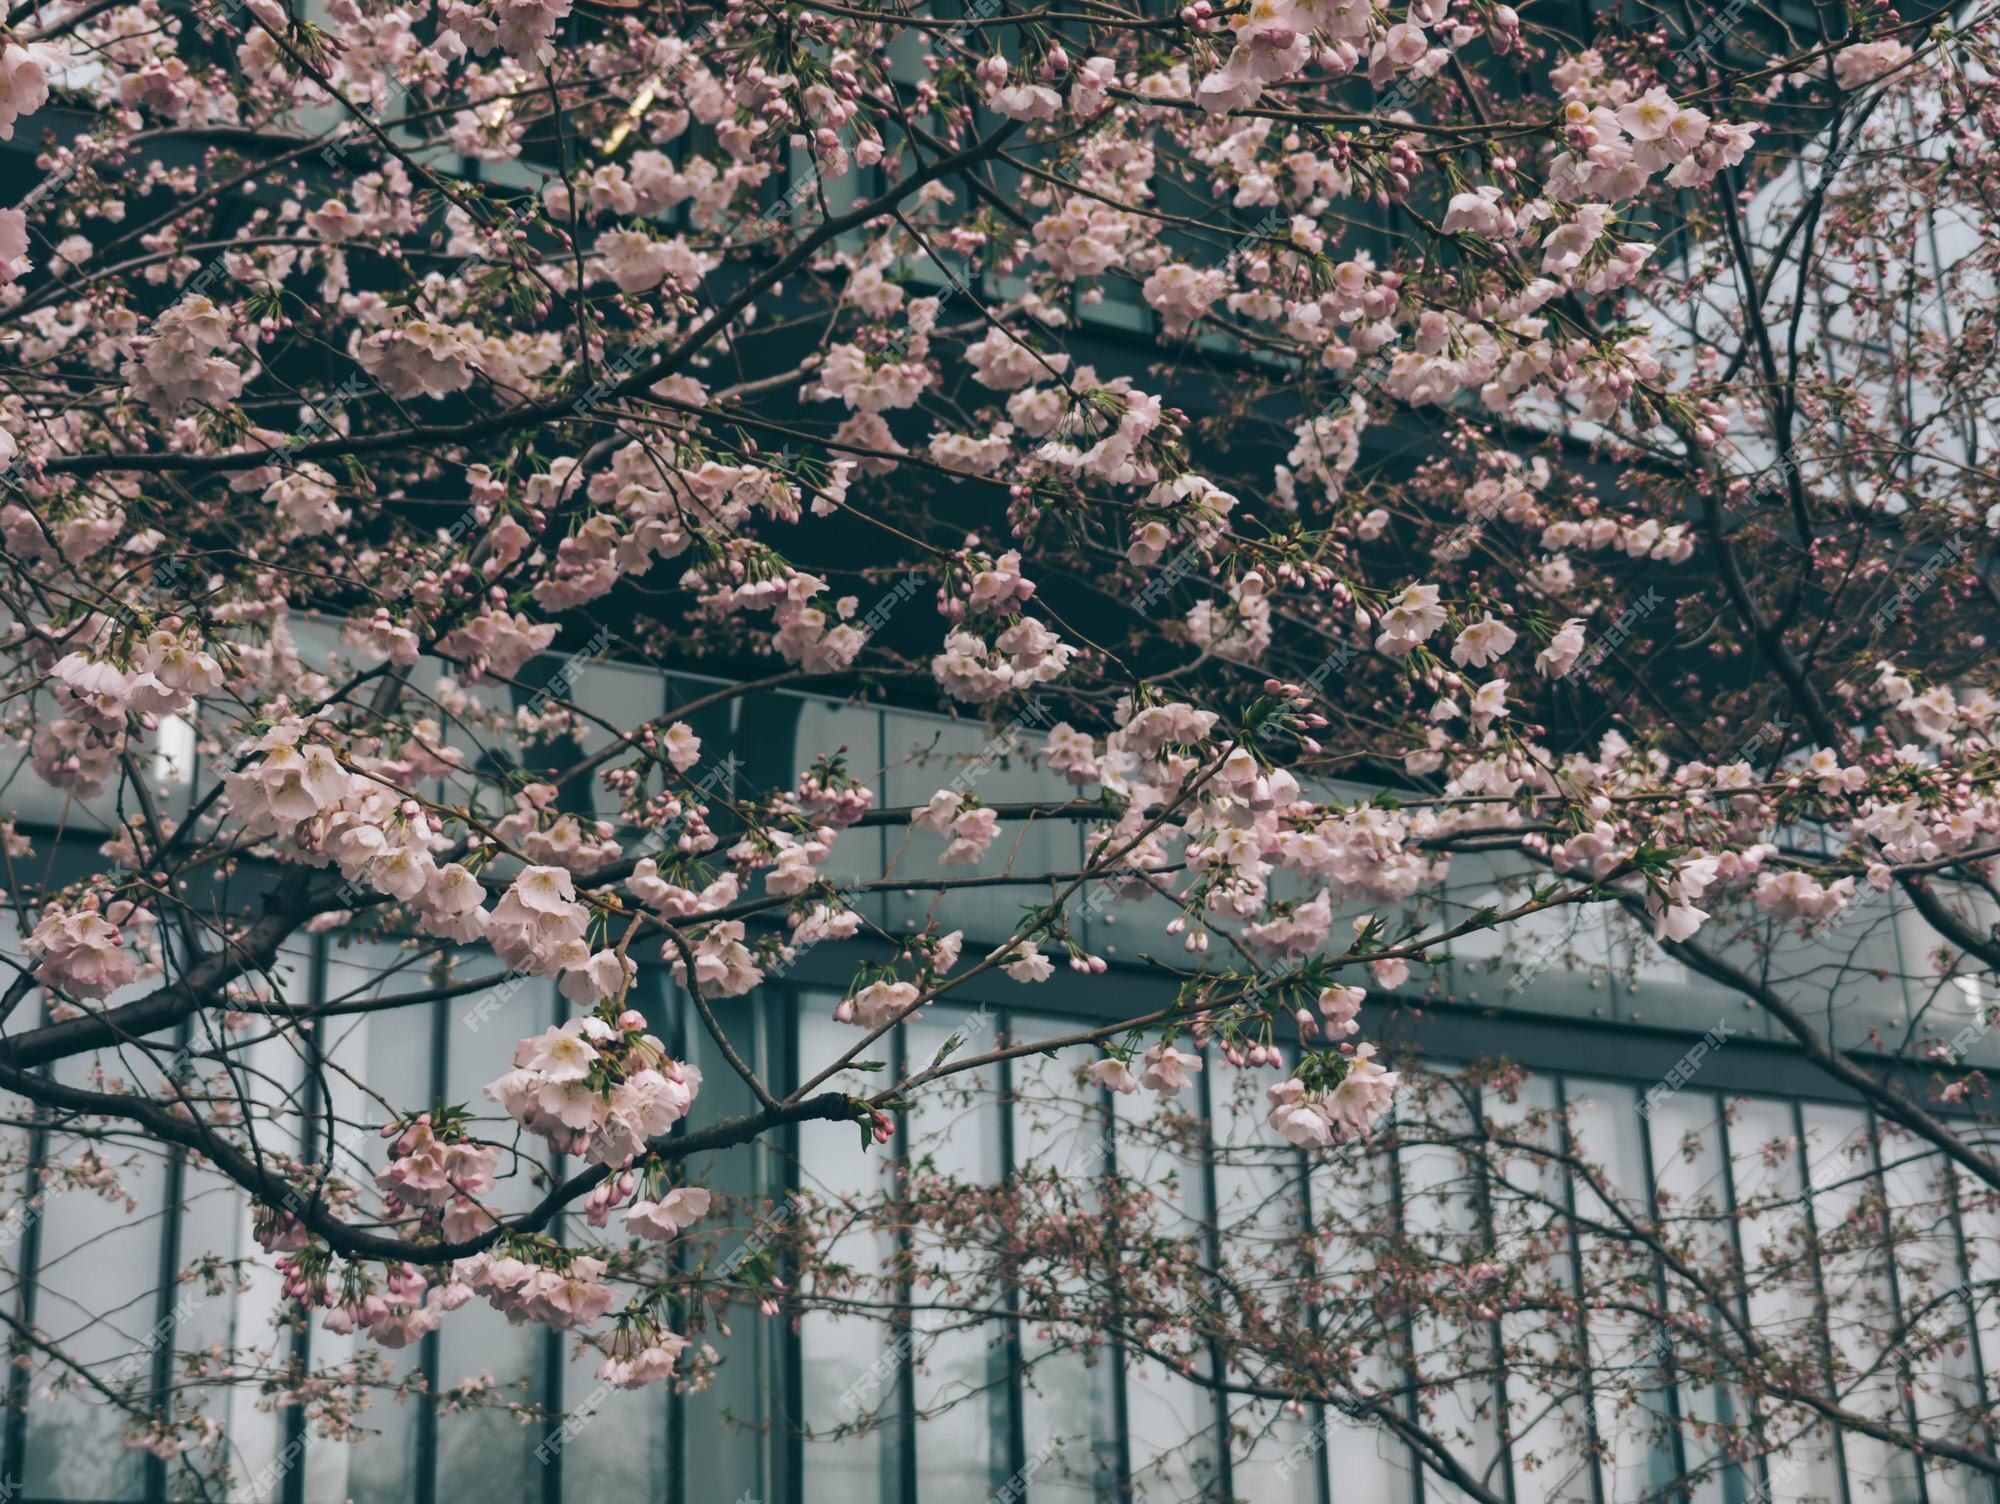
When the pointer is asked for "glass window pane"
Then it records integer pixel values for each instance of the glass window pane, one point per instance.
(1691, 1192)
(1260, 1201)
(1062, 1146)
(1354, 1213)
(852, 1363)
(1847, 1206)
(1932, 1299)
(1456, 1365)
(1547, 1408)
(384, 1067)
(1781, 1297)
(729, 1448)
(483, 1447)
(1172, 1420)
(961, 1385)
(97, 1294)
(1637, 1451)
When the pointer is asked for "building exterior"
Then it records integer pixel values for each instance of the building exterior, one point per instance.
(1596, 1031)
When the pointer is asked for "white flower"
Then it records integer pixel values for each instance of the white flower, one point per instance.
(1168, 1069)
(563, 1055)
(1649, 117)
(682, 745)
(1559, 657)
(1482, 642)
(879, 1003)
(1413, 616)
(1299, 1118)
(1859, 65)
(1113, 1074)
(1365, 1092)
(1029, 965)
(1339, 1008)
(674, 1212)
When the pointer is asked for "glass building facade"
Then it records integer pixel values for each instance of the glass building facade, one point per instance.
(934, 1405)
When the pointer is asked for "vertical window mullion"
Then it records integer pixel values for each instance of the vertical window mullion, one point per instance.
(1121, 1411)
(432, 1348)
(294, 1443)
(904, 1487)
(1668, 1368)
(1575, 1245)
(1760, 1462)
(1412, 1403)
(1823, 1312)
(552, 1340)
(1904, 1387)
(1016, 1427)
(673, 1027)
(1309, 1268)
(1222, 1486)
(19, 1375)
(164, 1324)
(1503, 1428)
(779, 1037)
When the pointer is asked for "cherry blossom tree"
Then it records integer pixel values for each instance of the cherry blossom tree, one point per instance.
(1562, 458)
